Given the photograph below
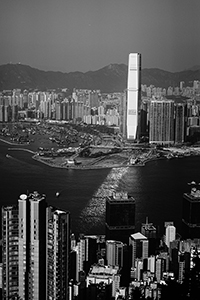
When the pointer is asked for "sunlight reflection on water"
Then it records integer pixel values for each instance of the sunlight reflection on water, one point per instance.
(94, 212)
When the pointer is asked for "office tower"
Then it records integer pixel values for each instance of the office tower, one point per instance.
(133, 95)
(139, 247)
(148, 230)
(120, 217)
(190, 214)
(32, 246)
(170, 235)
(114, 253)
(9, 252)
(161, 122)
(57, 256)
(179, 123)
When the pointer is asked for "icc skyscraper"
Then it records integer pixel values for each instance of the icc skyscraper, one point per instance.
(133, 95)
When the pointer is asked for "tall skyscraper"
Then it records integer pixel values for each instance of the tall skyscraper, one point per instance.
(161, 122)
(133, 95)
(190, 214)
(10, 280)
(120, 217)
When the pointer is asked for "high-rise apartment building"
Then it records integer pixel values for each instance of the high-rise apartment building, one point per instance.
(57, 253)
(32, 246)
(36, 241)
(10, 280)
(133, 95)
(180, 125)
(161, 122)
(190, 214)
(120, 217)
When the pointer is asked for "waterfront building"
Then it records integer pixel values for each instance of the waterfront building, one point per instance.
(10, 280)
(120, 217)
(161, 122)
(190, 214)
(133, 95)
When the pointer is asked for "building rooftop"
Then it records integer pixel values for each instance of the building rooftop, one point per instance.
(138, 236)
(35, 196)
(103, 270)
(121, 196)
(148, 226)
(194, 194)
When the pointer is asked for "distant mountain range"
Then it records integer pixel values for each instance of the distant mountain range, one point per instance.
(112, 78)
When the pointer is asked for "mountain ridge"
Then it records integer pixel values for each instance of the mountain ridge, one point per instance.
(111, 78)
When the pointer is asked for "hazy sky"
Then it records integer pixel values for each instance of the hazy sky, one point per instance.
(83, 35)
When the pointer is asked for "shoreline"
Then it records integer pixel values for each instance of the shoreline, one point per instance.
(36, 157)
(84, 167)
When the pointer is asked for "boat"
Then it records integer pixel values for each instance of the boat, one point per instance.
(57, 194)
(8, 156)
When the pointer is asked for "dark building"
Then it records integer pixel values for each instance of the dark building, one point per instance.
(180, 124)
(148, 230)
(191, 215)
(120, 217)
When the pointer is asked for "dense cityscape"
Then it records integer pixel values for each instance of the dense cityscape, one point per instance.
(41, 256)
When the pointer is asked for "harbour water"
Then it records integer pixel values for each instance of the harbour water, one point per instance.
(157, 188)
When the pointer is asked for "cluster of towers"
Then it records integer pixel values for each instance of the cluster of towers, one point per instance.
(41, 258)
(35, 249)
(82, 105)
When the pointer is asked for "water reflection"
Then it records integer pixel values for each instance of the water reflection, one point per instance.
(93, 213)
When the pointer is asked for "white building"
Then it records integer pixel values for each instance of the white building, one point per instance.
(170, 234)
(133, 94)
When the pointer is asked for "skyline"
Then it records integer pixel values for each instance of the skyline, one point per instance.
(81, 36)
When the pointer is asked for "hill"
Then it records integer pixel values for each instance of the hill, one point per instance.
(112, 78)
